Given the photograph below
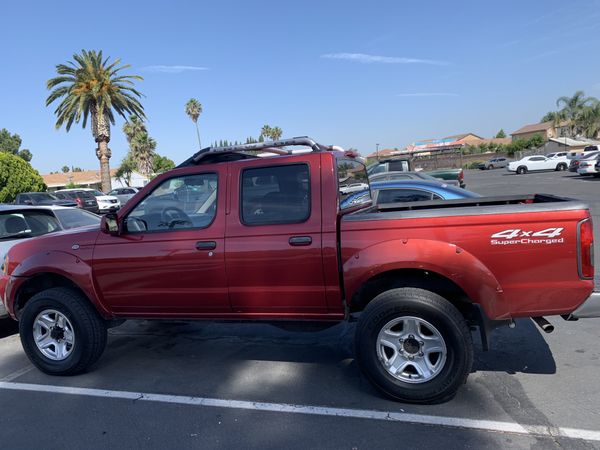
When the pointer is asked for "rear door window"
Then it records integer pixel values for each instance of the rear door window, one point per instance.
(275, 195)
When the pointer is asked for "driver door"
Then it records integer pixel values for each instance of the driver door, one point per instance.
(169, 258)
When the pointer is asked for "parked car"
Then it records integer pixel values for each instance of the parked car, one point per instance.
(537, 163)
(398, 191)
(417, 277)
(353, 187)
(390, 176)
(19, 222)
(83, 199)
(389, 165)
(587, 166)
(576, 160)
(124, 194)
(557, 155)
(494, 163)
(582, 153)
(106, 203)
(41, 198)
(457, 175)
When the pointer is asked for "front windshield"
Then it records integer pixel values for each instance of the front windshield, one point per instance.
(22, 224)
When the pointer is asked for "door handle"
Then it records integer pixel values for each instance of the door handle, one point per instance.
(206, 245)
(298, 241)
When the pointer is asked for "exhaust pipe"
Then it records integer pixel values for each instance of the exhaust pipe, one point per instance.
(543, 324)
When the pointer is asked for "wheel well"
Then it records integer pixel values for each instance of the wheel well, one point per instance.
(39, 283)
(415, 278)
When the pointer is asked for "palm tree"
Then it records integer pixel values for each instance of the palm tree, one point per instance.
(133, 127)
(143, 150)
(91, 86)
(276, 133)
(572, 107)
(265, 131)
(589, 120)
(193, 108)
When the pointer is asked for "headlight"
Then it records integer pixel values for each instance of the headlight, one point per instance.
(4, 266)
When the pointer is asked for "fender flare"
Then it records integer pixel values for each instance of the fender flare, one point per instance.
(63, 264)
(443, 258)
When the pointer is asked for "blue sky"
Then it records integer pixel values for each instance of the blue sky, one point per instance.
(344, 72)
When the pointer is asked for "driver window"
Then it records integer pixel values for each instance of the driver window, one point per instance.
(177, 203)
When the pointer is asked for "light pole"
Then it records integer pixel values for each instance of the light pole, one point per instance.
(377, 151)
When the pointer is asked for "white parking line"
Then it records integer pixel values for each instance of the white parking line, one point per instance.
(454, 422)
(17, 373)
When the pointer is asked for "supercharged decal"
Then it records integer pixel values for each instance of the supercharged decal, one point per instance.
(517, 236)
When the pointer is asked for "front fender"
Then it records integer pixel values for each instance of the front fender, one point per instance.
(61, 263)
(443, 258)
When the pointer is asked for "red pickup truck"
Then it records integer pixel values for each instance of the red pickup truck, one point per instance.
(230, 235)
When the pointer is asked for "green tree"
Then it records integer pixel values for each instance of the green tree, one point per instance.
(90, 86)
(193, 108)
(589, 121)
(501, 134)
(126, 169)
(11, 143)
(162, 163)
(65, 169)
(17, 175)
(553, 116)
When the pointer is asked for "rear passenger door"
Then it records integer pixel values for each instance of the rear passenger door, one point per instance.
(273, 237)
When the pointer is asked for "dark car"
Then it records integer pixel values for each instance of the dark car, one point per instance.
(83, 199)
(42, 199)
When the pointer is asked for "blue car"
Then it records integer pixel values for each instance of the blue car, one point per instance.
(400, 191)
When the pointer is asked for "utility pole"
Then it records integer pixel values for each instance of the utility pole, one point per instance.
(377, 151)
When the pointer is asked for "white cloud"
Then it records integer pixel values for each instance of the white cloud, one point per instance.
(370, 59)
(173, 69)
(428, 94)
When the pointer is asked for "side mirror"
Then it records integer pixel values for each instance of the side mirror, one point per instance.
(109, 224)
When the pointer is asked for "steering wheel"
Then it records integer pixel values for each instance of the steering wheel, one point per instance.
(172, 216)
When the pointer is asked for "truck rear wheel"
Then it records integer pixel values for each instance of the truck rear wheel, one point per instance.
(61, 332)
(414, 346)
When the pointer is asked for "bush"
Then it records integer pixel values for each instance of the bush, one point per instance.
(473, 165)
(17, 175)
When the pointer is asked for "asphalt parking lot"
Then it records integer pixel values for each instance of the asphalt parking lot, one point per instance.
(232, 385)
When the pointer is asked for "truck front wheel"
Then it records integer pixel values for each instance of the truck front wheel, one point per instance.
(61, 332)
(414, 346)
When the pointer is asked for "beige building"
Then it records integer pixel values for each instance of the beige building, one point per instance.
(546, 130)
(90, 179)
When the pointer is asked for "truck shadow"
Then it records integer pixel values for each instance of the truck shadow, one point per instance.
(8, 327)
(519, 350)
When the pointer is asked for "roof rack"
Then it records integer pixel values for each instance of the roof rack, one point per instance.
(273, 147)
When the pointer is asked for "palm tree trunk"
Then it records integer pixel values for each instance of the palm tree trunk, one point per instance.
(198, 133)
(103, 153)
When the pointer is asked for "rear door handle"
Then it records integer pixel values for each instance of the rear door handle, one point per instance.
(206, 245)
(298, 241)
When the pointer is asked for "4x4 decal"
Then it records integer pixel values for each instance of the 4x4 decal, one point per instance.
(518, 236)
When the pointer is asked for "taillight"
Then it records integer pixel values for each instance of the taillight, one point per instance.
(461, 175)
(79, 202)
(585, 237)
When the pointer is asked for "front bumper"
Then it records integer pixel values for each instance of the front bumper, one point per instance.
(588, 309)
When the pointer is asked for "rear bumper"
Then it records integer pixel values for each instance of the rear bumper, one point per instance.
(588, 309)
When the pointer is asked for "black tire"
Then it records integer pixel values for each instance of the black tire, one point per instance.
(491, 167)
(426, 306)
(89, 331)
(561, 167)
(521, 170)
